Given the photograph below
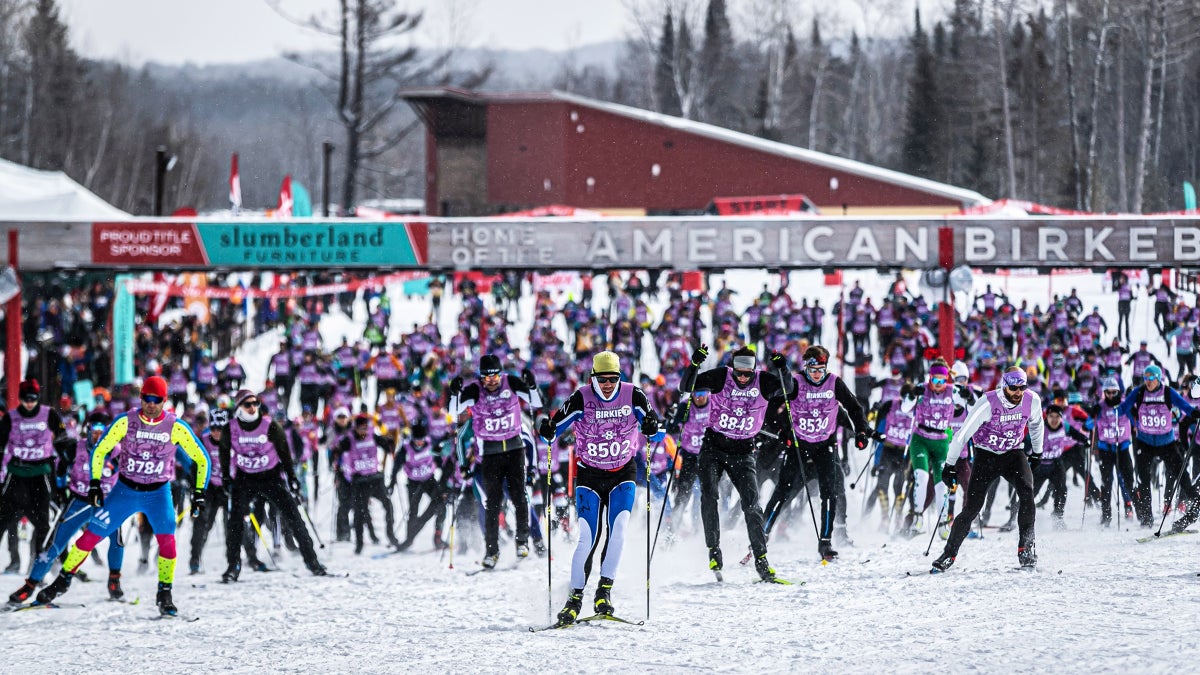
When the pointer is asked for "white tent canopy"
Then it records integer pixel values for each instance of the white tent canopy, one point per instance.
(29, 194)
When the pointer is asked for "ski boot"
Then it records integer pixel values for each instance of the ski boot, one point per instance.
(56, 588)
(764, 568)
(166, 606)
(143, 565)
(1027, 555)
(439, 544)
(522, 551)
(231, 573)
(358, 546)
(603, 600)
(82, 576)
(259, 566)
(539, 547)
(570, 610)
(14, 567)
(22, 594)
(490, 560)
(317, 569)
(714, 559)
(826, 550)
(114, 586)
(194, 569)
(943, 563)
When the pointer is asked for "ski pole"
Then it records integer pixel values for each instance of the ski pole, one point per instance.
(54, 526)
(258, 530)
(945, 501)
(648, 496)
(860, 474)
(800, 459)
(548, 498)
(1087, 481)
(1178, 477)
(308, 519)
(663, 510)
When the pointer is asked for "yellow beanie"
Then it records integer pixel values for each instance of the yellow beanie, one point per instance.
(605, 362)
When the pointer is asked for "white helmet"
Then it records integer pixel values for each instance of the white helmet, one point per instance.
(960, 370)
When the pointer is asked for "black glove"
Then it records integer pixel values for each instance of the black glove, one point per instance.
(527, 378)
(1034, 460)
(699, 355)
(293, 483)
(531, 475)
(649, 425)
(198, 500)
(876, 470)
(861, 439)
(546, 430)
(778, 361)
(95, 495)
(878, 435)
(949, 475)
(456, 386)
(1195, 414)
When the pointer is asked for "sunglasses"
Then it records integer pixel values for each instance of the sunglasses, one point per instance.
(99, 427)
(1016, 387)
(153, 400)
(489, 375)
(937, 380)
(743, 373)
(30, 398)
(249, 404)
(608, 379)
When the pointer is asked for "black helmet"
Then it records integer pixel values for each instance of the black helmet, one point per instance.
(420, 428)
(489, 364)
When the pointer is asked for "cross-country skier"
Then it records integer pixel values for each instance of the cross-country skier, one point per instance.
(1149, 406)
(607, 415)
(357, 458)
(739, 404)
(932, 406)
(147, 436)
(1114, 435)
(33, 440)
(495, 401)
(996, 427)
(78, 511)
(814, 401)
(257, 463)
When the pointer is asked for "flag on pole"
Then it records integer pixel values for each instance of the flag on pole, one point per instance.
(235, 186)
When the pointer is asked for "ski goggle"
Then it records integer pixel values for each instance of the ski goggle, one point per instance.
(30, 398)
(743, 374)
(98, 426)
(153, 400)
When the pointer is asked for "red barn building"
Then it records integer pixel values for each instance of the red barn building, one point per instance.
(492, 153)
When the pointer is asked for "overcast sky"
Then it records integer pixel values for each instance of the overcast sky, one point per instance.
(226, 31)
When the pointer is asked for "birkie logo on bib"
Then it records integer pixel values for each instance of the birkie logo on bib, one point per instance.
(160, 437)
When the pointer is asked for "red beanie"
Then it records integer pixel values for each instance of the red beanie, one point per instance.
(154, 386)
(27, 387)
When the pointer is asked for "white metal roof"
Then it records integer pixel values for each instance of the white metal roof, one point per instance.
(962, 195)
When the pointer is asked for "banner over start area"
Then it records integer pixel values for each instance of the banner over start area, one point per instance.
(600, 243)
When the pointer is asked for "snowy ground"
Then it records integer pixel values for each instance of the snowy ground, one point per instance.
(1100, 602)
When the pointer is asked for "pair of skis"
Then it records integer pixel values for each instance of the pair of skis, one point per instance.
(586, 619)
